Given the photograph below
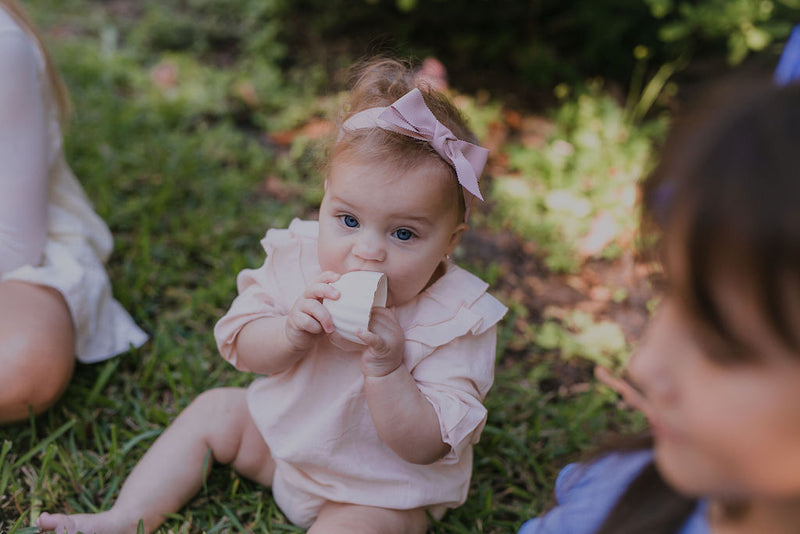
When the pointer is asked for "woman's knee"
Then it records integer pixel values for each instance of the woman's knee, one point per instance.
(36, 349)
(34, 377)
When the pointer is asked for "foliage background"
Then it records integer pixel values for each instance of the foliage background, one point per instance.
(198, 125)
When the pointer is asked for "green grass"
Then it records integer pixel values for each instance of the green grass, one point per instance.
(178, 174)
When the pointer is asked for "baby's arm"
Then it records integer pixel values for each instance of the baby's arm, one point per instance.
(23, 161)
(404, 418)
(270, 345)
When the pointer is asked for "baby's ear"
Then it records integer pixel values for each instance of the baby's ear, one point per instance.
(455, 237)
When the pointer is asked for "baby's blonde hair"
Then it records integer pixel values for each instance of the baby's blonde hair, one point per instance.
(379, 82)
(56, 82)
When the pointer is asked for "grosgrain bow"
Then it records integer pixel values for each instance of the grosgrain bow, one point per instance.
(409, 116)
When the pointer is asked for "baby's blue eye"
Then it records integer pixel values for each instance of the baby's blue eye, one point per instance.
(403, 234)
(349, 221)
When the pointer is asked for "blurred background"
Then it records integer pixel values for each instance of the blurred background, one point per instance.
(199, 124)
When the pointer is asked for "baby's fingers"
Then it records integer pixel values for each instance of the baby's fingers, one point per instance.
(309, 315)
(321, 290)
(376, 343)
(328, 276)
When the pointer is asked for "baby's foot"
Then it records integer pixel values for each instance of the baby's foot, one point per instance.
(102, 523)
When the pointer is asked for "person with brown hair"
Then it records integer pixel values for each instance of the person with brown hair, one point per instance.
(717, 372)
(368, 431)
(55, 296)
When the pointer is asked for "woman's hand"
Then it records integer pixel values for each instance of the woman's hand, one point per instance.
(385, 344)
(629, 392)
(308, 318)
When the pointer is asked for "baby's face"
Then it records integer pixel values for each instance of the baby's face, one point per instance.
(374, 218)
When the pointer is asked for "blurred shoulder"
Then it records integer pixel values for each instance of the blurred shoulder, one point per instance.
(586, 493)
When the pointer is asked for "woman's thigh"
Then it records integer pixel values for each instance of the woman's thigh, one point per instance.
(37, 354)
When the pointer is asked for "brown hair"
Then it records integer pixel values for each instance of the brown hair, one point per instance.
(56, 82)
(725, 195)
(378, 82)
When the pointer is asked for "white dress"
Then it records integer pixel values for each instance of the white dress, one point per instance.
(49, 232)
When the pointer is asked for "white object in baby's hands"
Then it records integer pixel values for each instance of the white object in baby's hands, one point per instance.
(360, 291)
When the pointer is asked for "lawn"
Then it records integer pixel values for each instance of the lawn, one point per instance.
(191, 152)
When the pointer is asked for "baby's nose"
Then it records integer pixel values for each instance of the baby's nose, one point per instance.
(369, 247)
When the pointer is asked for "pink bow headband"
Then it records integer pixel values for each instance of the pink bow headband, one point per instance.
(409, 116)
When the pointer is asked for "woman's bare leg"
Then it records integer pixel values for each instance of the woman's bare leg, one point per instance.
(171, 472)
(337, 518)
(37, 349)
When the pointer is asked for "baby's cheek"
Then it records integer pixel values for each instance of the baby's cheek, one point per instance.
(329, 259)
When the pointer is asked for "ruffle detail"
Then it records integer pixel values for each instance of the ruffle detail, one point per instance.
(451, 339)
(455, 305)
(271, 290)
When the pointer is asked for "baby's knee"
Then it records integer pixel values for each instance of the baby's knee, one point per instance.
(219, 401)
(218, 417)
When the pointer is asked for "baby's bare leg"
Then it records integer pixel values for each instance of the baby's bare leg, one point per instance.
(337, 518)
(171, 472)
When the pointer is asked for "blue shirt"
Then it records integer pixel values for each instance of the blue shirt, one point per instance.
(586, 493)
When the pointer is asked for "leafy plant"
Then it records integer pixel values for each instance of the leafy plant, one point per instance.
(746, 26)
(574, 194)
(579, 335)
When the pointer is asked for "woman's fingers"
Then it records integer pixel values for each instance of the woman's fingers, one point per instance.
(627, 390)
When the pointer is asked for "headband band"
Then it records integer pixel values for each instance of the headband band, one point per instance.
(409, 116)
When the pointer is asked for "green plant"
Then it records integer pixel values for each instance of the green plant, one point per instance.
(745, 26)
(575, 194)
(579, 335)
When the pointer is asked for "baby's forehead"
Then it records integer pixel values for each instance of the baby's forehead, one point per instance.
(437, 175)
(391, 189)
(385, 156)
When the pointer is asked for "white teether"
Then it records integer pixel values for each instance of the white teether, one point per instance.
(360, 291)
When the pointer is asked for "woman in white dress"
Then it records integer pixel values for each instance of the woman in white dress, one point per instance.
(56, 303)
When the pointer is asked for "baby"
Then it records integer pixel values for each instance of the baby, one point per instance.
(351, 437)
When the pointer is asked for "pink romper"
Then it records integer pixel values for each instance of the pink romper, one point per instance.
(314, 416)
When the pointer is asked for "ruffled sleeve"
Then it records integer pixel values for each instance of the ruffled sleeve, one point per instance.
(586, 493)
(451, 340)
(271, 290)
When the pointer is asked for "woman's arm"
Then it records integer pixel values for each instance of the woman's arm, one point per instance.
(23, 154)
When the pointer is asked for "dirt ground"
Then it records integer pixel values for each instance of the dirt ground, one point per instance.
(524, 279)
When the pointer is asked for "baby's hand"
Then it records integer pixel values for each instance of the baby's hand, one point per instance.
(308, 318)
(385, 344)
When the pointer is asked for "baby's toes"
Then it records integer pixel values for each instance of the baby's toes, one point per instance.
(58, 523)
